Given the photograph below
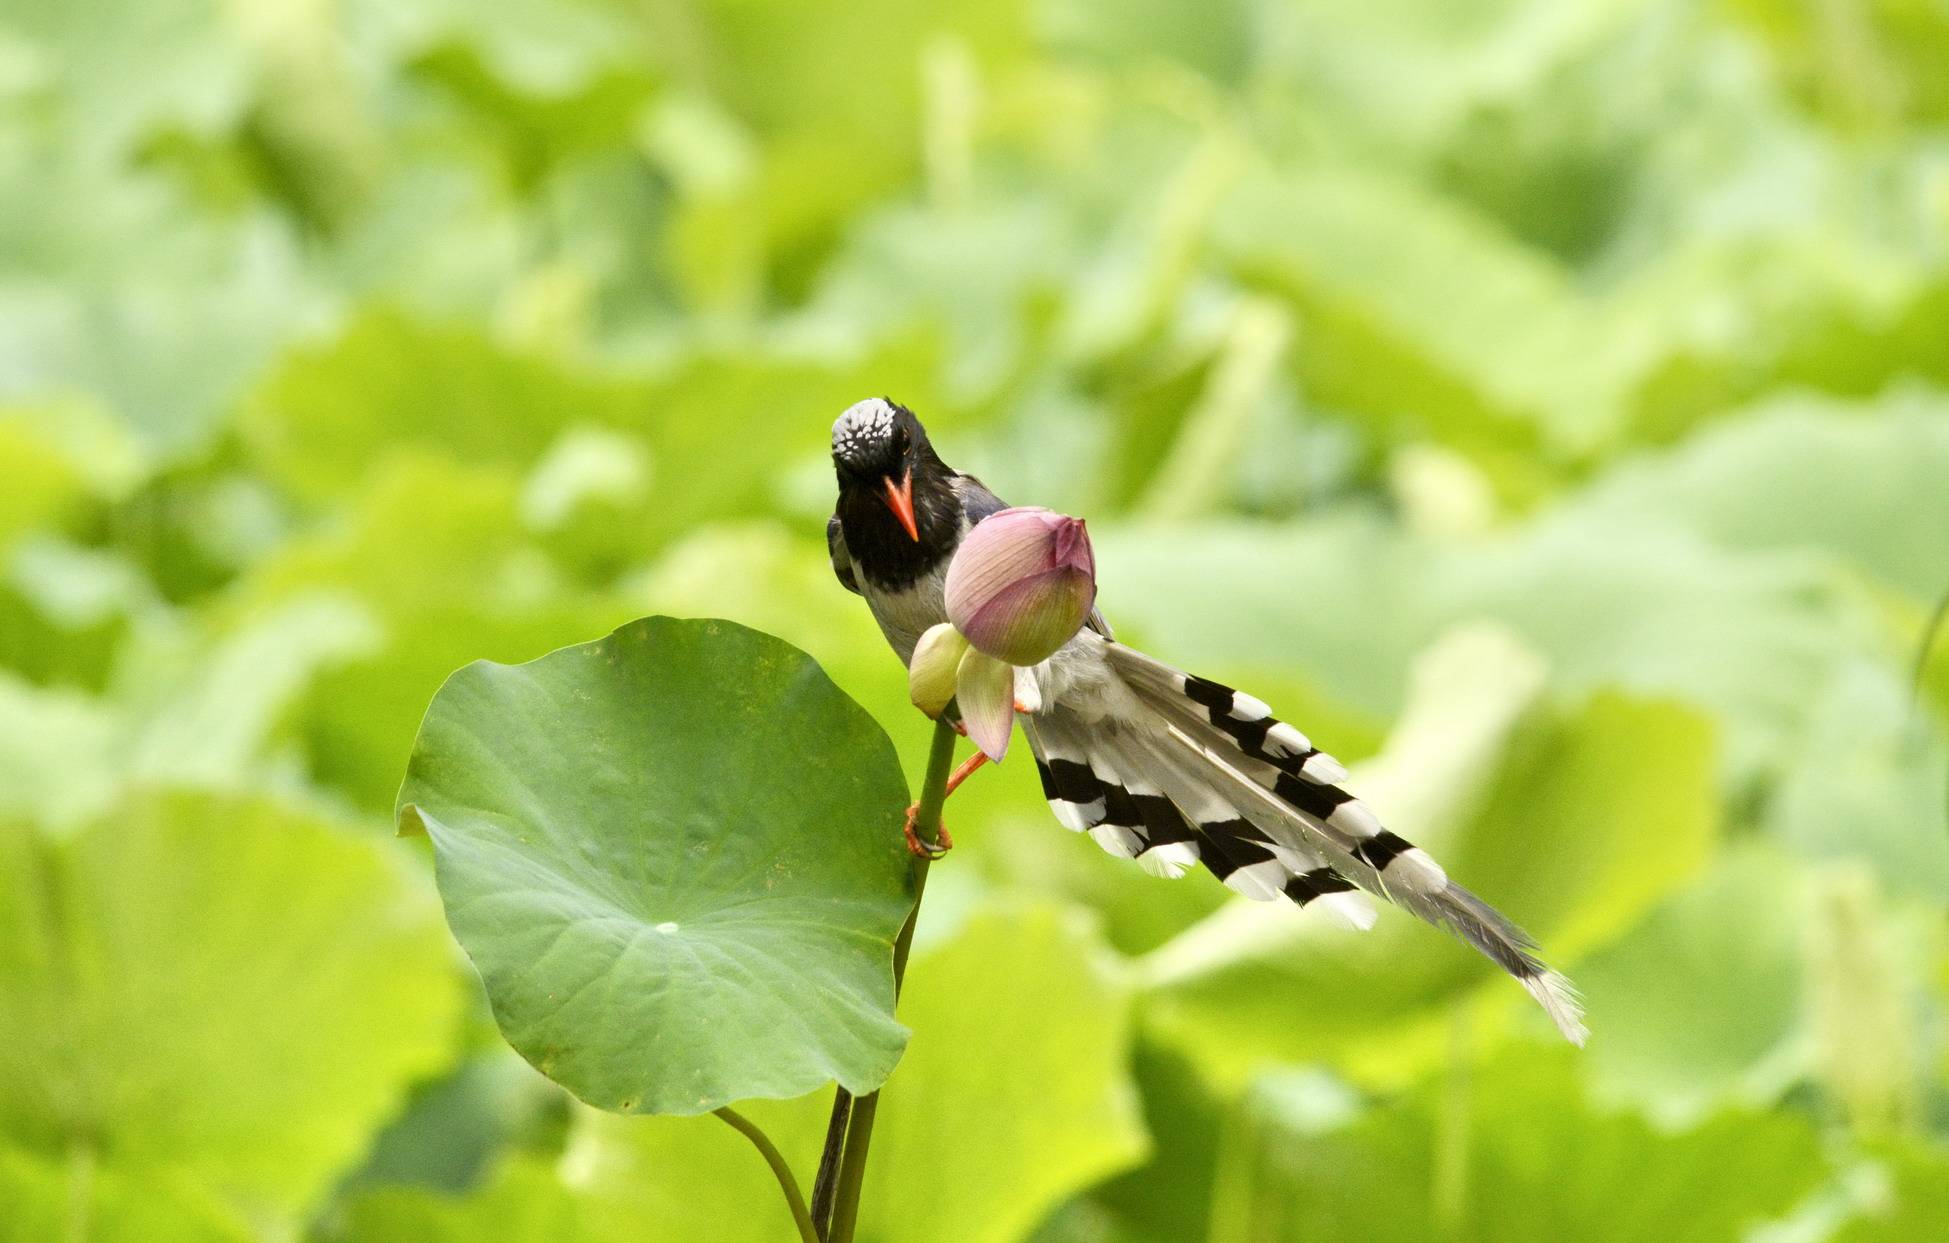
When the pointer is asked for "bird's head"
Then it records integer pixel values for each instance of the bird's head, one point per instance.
(878, 448)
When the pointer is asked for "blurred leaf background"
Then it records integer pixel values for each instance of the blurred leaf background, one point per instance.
(1546, 404)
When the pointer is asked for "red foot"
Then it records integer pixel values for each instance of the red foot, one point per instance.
(920, 849)
(968, 768)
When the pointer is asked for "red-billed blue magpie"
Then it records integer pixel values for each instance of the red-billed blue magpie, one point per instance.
(1154, 764)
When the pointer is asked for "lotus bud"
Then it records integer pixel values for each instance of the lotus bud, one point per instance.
(1022, 584)
(936, 664)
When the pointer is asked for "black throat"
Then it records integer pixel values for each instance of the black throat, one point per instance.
(883, 553)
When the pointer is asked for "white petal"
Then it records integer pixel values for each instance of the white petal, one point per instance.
(985, 690)
(932, 672)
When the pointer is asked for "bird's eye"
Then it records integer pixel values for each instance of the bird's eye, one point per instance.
(900, 440)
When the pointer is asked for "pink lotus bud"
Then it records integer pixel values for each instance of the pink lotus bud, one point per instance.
(1022, 584)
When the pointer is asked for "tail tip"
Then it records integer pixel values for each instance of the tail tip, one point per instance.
(1558, 997)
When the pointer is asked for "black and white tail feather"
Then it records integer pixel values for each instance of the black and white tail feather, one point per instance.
(1170, 770)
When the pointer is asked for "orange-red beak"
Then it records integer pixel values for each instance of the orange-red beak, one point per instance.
(900, 499)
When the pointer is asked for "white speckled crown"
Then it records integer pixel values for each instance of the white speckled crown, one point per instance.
(865, 423)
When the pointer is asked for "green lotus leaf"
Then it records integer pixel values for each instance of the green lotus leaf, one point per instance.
(674, 856)
(524, 1202)
(75, 1198)
(1507, 1150)
(215, 993)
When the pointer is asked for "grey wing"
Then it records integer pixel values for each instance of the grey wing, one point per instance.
(842, 561)
(976, 500)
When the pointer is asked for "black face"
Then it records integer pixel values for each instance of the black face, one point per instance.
(897, 507)
(876, 439)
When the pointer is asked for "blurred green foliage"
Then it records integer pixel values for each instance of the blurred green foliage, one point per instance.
(1546, 404)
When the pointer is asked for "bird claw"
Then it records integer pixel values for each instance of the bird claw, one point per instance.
(920, 849)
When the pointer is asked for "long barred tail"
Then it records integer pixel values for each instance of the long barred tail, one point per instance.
(1208, 775)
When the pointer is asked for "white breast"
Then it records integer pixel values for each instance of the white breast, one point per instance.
(906, 615)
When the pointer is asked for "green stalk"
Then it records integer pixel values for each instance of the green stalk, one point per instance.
(794, 1199)
(826, 1185)
(859, 1136)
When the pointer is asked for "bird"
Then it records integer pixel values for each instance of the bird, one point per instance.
(1153, 764)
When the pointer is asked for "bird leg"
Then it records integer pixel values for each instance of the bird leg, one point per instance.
(968, 768)
(923, 850)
